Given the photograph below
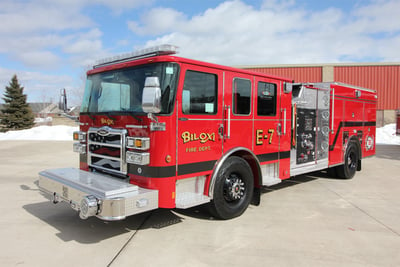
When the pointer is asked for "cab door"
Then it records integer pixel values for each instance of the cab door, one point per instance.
(199, 121)
(238, 111)
(269, 127)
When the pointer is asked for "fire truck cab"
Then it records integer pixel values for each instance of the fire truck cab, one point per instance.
(158, 130)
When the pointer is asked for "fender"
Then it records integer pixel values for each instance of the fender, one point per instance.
(244, 153)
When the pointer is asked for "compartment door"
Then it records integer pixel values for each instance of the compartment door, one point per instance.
(310, 140)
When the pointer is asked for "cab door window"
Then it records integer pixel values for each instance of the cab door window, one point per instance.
(266, 99)
(199, 95)
(241, 96)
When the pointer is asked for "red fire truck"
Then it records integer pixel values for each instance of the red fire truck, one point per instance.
(161, 131)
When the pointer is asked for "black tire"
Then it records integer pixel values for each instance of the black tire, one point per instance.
(233, 189)
(351, 158)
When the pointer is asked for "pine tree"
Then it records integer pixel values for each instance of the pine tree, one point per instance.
(16, 113)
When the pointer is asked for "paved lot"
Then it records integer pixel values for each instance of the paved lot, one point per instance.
(307, 221)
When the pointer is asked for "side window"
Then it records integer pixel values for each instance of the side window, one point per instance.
(241, 96)
(266, 99)
(199, 94)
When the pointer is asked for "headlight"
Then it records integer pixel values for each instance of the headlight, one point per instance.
(137, 158)
(141, 143)
(80, 148)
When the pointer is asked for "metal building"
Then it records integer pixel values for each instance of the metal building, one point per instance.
(383, 77)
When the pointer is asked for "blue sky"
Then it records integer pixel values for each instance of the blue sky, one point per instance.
(50, 44)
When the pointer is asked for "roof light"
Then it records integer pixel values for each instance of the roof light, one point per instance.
(159, 50)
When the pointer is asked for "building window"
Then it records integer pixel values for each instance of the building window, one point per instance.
(241, 96)
(200, 92)
(266, 99)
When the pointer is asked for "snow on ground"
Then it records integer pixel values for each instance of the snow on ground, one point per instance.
(56, 133)
(384, 135)
(387, 135)
(43, 120)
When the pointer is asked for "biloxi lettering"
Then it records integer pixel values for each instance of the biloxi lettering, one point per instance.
(202, 137)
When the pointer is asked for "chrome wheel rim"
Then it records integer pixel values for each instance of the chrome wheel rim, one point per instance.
(234, 188)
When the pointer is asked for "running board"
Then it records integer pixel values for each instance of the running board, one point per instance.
(190, 192)
(270, 174)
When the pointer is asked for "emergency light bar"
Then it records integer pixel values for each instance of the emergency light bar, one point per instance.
(159, 50)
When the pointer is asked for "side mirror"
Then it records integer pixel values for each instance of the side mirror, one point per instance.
(151, 100)
(288, 87)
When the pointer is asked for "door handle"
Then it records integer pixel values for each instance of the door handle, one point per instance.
(228, 121)
(221, 131)
(279, 129)
(284, 120)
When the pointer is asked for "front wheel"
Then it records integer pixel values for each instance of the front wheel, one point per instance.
(349, 168)
(233, 189)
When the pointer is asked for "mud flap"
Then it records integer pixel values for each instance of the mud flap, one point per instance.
(256, 197)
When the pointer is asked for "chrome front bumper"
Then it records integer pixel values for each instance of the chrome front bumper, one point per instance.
(94, 194)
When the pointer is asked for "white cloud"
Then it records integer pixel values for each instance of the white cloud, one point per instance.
(21, 43)
(85, 48)
(379, 16)
(120, 5)
(236, 33)
(43, 51)
(27, 17)
(278, 4)
(39, 58)
(123, 42)
(44, 35)
(158, 21)
(33, 32)
(50, 29)
(115, 5)
(38, 86)
(83, 43)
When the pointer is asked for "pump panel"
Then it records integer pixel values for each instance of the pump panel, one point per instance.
(310, 128)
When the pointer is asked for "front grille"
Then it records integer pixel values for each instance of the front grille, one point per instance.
(106, 149)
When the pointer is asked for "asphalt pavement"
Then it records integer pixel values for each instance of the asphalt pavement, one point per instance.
(309, 220)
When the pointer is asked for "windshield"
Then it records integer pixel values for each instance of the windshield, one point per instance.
(121, 90)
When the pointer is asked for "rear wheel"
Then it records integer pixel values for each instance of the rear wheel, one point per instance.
(351, 158)
(233, 189)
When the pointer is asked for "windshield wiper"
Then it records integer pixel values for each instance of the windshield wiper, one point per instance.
(135, 117)
(111, 118)
(129, 113)
(90, 116)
